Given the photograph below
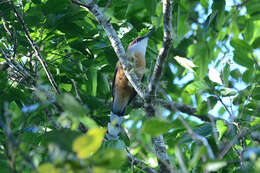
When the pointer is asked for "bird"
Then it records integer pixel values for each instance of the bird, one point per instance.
(122, 91)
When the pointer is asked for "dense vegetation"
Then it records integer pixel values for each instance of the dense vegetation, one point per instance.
(207, 102)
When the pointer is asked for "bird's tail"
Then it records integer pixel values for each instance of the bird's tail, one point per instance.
(114, 127)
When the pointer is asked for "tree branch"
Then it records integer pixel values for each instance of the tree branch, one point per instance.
(36, 49)
(90, 6)
(167, 44)
(158, 142)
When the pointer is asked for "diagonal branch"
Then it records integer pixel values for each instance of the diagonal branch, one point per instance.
(36, 49)
(90, 6)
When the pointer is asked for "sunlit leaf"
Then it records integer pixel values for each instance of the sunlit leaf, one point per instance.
(214, 76)
(185, 62)
(204, 3)
(88, 144)
(222, 128)
(66, 87)
(215, 165)
(225, 92)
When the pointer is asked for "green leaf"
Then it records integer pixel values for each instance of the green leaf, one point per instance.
(66, 87)
(199, 152)
(48, 167)
(57, 6)
(226, 74)
(36, 1)
(5, 166)
(203, 130)
(235, 73)
(215, 165)
(242, 58)
(204, 3)
(156, 126)
(62, 138)
(222, 128)
(256, 93)
(151, 6)
(249, 31)
(241, 45)
(253, 7)
(69, 103)
(203, 108)
(226, 92)
(110, 158)
(256, 43)
(196, 86)
(97, 169)
(103, 84)
(117, 144)
(93, 72)
(88, 144)
(248, 75)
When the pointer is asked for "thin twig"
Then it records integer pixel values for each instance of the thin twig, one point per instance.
(167, 44)
(225, 106)
(140, 164)
(241, 134)
(36, 50)
(77, 92)
(197, 137)
(107, 5)
(178, 154)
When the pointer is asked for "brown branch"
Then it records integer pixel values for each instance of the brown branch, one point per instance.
(173, 106)
(36, 49)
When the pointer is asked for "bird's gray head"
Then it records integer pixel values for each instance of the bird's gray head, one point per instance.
(139, 44)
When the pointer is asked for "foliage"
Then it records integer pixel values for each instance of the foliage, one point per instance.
(213, 66)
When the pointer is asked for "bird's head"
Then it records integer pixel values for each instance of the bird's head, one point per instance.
(139, 44)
